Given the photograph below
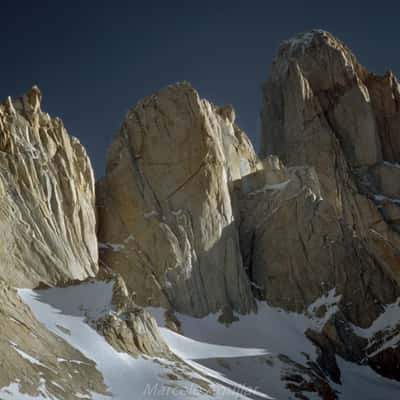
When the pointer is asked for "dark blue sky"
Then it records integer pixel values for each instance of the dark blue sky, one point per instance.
(93, 60)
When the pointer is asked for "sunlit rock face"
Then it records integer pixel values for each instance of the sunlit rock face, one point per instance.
(47, 215)
(334, 224)
(323, 109)
(48, 225)
(166, 220)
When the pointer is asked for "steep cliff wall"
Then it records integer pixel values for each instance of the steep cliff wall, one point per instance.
(166, 217)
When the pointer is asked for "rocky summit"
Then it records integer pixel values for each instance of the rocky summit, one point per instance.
(195, 267)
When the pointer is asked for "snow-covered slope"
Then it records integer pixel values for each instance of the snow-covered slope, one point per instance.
(249, 359)
(68, 312)
(289, 351)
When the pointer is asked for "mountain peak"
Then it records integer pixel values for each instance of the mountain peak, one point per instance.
(315, 50)
(303, 41)
(29, 102)
(32, 99)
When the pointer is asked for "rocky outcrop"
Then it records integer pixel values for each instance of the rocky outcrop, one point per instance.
(129, 328)
(296, 249)
(333, 225)
(166, 220)
(47, 198)
(35, 362)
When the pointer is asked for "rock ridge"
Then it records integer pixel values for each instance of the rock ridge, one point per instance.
(47, 198)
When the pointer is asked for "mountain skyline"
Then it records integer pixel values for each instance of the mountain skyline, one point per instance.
(195, 266)
(94, 61)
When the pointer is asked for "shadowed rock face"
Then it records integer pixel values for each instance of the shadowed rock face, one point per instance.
(47, 216)
(166, 221)
(296, 249)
